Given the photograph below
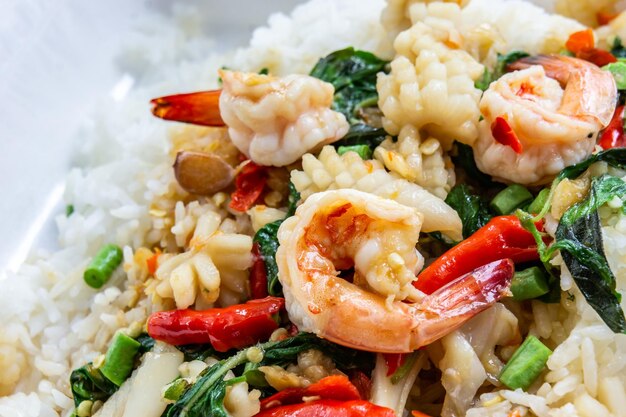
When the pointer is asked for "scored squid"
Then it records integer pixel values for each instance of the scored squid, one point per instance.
(377, 308)
(273, 121)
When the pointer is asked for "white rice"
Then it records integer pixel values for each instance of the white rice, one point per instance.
(51, 321)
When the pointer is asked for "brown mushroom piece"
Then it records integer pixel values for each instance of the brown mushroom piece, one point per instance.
(202, 173)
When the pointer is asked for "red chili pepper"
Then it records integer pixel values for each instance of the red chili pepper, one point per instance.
(503, 134)
(613, 135)
(503, 237)
(249, 186)
(258, 275)
(394, 361)
(329, 408)
(604, 18)
(233, 327)
(334, 387)
(596, 56)
(580, 40)
(200, 108)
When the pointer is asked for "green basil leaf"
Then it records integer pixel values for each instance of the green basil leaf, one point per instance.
(615, 157)
(88, 383)
(267, 239)
(472, 210)
(579, 238)
(353, 74)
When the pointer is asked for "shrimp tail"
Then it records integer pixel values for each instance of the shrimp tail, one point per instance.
(200, 108)
(558, 67)
(452, 305)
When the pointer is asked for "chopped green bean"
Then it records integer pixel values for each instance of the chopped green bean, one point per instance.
(102, 266)
(526, 364)
(364, 151)
(529, 283)
(537, 205)
(120, 358)
(512, 197)
(69, 209)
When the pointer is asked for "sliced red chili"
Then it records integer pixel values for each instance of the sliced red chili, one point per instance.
(394, 361)
(613, 135)
(502, 237)
(329, 408)
(504, 134)
(258, 275)
(596, 56)
(233, 327)
(334, 387)
(249, 185)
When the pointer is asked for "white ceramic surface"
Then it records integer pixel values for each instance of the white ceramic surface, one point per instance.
(57, 59)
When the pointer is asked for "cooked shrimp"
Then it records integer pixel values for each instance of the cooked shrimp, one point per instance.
(378, 309)
(554, 106)
(277, 120)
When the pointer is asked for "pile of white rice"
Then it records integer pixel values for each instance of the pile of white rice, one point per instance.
(52, 323)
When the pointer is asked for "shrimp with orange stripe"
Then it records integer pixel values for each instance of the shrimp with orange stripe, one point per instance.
(377, 307)
(543, 117)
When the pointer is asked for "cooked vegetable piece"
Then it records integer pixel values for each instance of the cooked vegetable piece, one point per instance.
(175, 389)
(353, 74)
(465, 159)
(505, 135)
(69, 210)
(405, 367)
(364, 151)
(334, 387)
(318, 408)
(613, 135)
(529, 283)
(120, 358)
(539, 202)
(88, 384)
(101, 267)
(579, 237)
(200, 108)
(233, 327)
(581, 40)
(618, 69)
(209, 390)
(472, 210)
(267, 241)
(511, 198)
(258, 275)
(502, 237)
(393, 361)
(249, 185)
(526, 364)
(362, 134)
(202, 173)
(618, 49)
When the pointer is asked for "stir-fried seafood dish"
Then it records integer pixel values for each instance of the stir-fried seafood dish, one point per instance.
(381, 208)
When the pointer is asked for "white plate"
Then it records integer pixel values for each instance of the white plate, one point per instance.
(57, 60)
